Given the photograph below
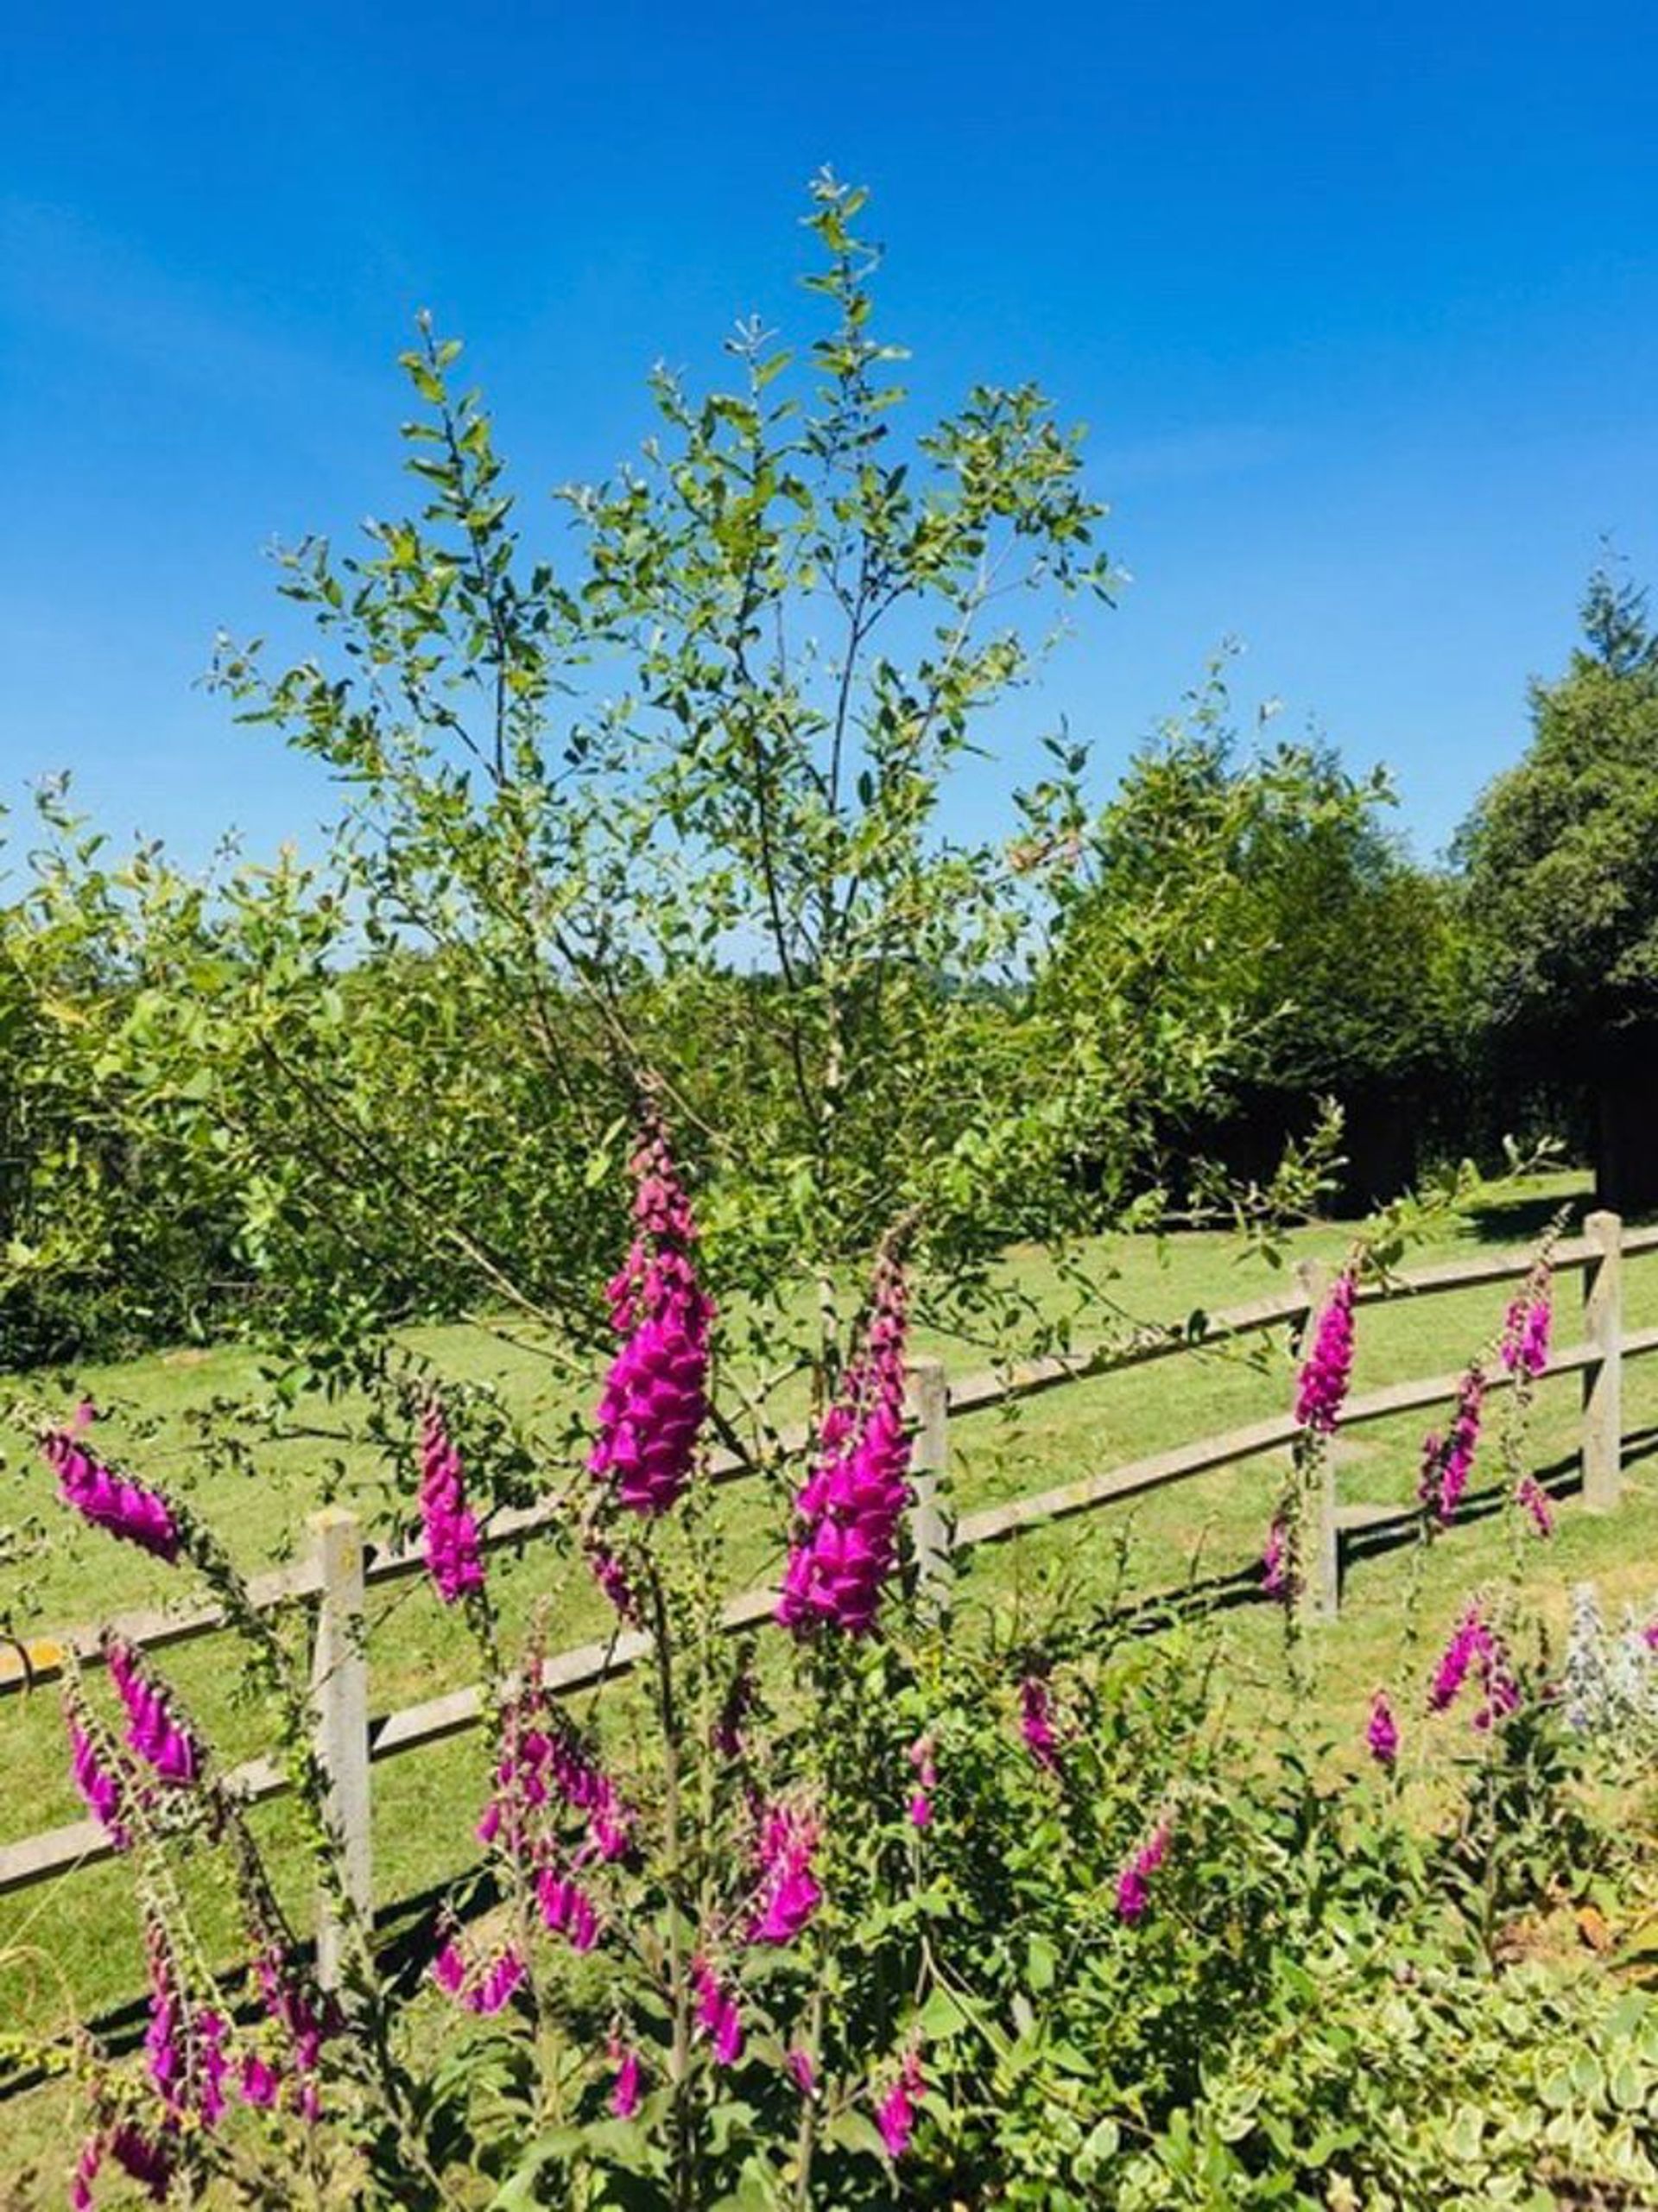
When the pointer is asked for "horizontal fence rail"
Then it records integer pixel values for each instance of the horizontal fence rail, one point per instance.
(334, 1579)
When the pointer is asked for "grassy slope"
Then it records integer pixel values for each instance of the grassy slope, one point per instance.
(424, 1803)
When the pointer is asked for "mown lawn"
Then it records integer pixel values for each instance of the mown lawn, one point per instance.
(1203, 1534)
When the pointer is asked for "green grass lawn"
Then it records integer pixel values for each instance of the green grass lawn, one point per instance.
(1209, 1527)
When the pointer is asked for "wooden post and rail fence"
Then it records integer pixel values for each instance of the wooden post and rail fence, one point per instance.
(341, 1567)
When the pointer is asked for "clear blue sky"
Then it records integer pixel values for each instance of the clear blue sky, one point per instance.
(1361, 304)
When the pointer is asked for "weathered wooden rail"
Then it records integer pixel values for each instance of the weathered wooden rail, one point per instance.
(341, 1567)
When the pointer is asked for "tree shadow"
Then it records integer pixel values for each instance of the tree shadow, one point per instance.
(1221, 1593)
(1520, 1221)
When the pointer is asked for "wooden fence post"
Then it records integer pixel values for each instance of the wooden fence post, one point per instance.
(1320, 1595)
(927, 1394)
(1603, 1383)
(340, 1696)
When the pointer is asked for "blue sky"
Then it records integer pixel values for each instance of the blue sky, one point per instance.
(1361, 307)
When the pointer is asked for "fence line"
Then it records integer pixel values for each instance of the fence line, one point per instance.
(342, 1567)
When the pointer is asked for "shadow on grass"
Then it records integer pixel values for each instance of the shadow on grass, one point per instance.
(1224, 1593)
(1522, 1220)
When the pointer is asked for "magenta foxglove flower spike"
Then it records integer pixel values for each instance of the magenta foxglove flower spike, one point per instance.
(716, 2013)
(259, 2081)
(1531, 1497)
(1476, 1648)
(109, 1500)
(788, 1893)
(449, 1531)
(655, 1398)
(485, 1988)
(567, 1909)
(1133, 1884)
(1036, 1723)
(848, 1512)
(1382, 1733)
(801, 2070)
(100, 1788)
(1448, 1460)
(155, 1729)
(305, 2022)
(625, 2086)
(926, 1780)
(148, 2160)
(1526, 1325)
(1328, 1366)
(895, 2116)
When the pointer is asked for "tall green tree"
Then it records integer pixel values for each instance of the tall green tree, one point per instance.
(1326, 957)
(1560, 862)
(658, 812)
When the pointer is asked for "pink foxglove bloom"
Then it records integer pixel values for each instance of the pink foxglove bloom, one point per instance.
(146, 2159)
(304, 2019)
(483, 1989)
(1476, 1648)
(1328, 1366)
(260, 2081)
(849, 1509)
(449, 1970)
(184, 2047)
(109, 1500)
(155, 1729)
(926, 1780)
(449, 1531)
(91, 2158)
(166, 2037)
(1526, 1325)
(716, 2013)
(612, 1578)
(1382, 1733)
(544, 1762)
(1036, 1723)
(1531, 1497)
(789, 1894)
(212, 2030)
(1133, 1890)
(99, 1787)
(895, 2116)
(655, 1398)
(801, 2070)
(1459, 1655)
(495, 1986)
(1448, 1460)
(567, 1909)
(625, 2086)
